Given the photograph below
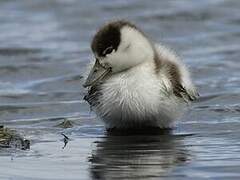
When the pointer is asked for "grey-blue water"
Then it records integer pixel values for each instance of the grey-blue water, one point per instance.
(44, 50)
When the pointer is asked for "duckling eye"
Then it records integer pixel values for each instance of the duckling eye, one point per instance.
(108, 50)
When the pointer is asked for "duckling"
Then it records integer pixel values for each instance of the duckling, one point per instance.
(135, 83)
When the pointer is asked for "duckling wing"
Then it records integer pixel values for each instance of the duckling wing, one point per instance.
(185, 94)
(177, 73)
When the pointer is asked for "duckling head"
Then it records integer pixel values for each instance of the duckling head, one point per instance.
(117, 47)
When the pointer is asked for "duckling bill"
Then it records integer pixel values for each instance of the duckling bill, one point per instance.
(135, 83)
(97, 73)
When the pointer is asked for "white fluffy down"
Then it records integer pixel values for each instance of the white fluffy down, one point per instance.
(138, 95)
(135, 94)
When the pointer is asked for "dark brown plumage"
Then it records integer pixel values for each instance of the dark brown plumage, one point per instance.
(108, 35)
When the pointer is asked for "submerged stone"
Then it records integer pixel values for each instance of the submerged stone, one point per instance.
(65, 124)
(11, 139)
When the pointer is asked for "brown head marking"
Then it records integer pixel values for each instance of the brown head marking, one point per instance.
(108, 36)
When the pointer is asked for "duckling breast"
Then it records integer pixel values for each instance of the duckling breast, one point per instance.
(136, 98)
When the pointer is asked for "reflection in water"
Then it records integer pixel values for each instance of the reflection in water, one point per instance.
(134, 157)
